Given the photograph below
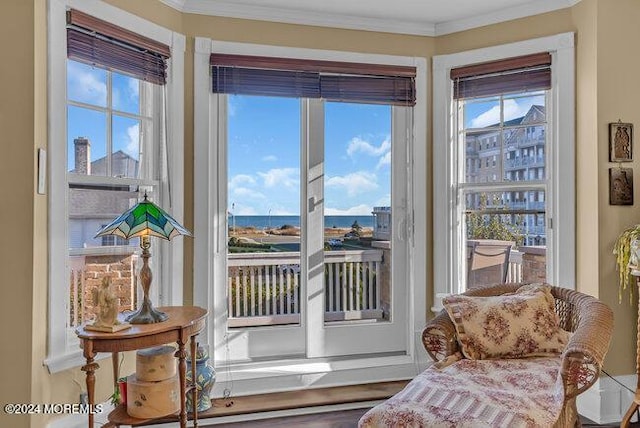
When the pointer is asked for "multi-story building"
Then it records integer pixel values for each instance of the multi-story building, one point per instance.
(520, 157)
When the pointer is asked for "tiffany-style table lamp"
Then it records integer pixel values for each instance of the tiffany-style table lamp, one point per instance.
(144, 220)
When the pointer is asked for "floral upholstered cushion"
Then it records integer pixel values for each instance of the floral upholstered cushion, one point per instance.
(514, 325)
(513, 393)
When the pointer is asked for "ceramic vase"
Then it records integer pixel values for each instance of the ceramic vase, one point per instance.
(204, 380)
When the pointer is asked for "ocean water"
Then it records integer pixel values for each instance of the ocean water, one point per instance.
(275, 221)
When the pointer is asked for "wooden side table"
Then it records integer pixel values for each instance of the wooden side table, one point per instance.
(636, 399)
(185, 322)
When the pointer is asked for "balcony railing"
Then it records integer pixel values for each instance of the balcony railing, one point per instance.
(514, 271)
(264, 288)
(524, 161)
(86, 272)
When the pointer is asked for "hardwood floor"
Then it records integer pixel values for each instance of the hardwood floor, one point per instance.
(340, 419)
(237, 406)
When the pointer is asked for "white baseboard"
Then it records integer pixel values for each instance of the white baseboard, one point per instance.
(607, 401)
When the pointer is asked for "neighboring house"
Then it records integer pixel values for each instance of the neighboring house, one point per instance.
(381, 223)
(524, 160)
(90, 210)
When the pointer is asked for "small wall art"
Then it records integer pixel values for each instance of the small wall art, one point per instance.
(620, 186)
(620, 142)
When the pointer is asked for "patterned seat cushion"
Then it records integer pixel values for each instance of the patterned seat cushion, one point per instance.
(510, 393)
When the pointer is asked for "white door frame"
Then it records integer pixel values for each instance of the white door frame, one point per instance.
(209, 249)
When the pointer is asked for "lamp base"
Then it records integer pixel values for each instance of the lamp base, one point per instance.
(147, 314)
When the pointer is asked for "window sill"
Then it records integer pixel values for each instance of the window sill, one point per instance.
(69, 360)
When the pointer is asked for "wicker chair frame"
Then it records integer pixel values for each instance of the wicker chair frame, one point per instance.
(590, 321)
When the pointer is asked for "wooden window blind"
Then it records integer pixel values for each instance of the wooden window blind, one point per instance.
(100, 43)
(331, 80)
(518, 74)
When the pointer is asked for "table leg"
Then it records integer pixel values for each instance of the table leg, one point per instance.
(194, 385)
(182, 372)
(626, 420)
(90, 369)
(115, 356)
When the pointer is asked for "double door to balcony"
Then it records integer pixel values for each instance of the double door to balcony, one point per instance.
(318, 231)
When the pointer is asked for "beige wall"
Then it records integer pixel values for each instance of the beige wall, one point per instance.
(17, 197)
(617, 98)
(605, 92)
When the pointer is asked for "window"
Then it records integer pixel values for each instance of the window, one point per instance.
(112, 240)
(531, 198)
(309, 165)
(107, 127)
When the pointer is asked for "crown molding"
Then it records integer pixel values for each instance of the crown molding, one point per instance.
(303, 17)
(507, 14)
(231, 9)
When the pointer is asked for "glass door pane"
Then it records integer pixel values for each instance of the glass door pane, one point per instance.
(264, 229)
(357, 213)
(362, 310)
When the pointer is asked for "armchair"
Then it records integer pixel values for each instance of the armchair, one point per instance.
(533, 391)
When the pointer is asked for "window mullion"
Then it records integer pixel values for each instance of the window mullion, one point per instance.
(109, 127)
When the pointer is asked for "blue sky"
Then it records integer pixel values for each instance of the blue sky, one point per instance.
(88, 85)
(486, 111)
(264, 156)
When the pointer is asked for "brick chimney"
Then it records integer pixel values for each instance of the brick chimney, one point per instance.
(82, 155)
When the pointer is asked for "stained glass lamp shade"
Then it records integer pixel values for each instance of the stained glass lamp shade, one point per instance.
(144, 220)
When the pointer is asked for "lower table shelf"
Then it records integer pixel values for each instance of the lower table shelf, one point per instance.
(119, 416)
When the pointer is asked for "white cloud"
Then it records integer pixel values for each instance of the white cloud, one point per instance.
(281, 177)
(357, 210)
(86, 85)
(246, 193)
(354, 183)
(358, 145)
(384, 160)
(134, 89)
(240, 209)
(280, 210)
(512, 110)
(241, 179)
(132, 148)
(269, 158)
(384, 201)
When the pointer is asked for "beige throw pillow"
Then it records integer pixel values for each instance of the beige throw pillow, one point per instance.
(514, 325)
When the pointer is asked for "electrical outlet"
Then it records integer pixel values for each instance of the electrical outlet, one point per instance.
(84, 398)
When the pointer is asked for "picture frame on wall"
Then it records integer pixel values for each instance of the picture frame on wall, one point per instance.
(620, 186)
(620, 142)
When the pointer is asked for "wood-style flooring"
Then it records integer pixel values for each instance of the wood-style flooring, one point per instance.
(237, 406)
(340, 419)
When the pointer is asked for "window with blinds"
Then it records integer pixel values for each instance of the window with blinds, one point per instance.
(502, 127)
(527, 73)
(100, 43)
(115, 81)
(332, 81)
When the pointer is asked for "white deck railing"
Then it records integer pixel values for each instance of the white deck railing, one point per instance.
(264, 288)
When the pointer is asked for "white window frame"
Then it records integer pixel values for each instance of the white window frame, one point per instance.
(63, 350)
(560, 160)
(210, 214)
